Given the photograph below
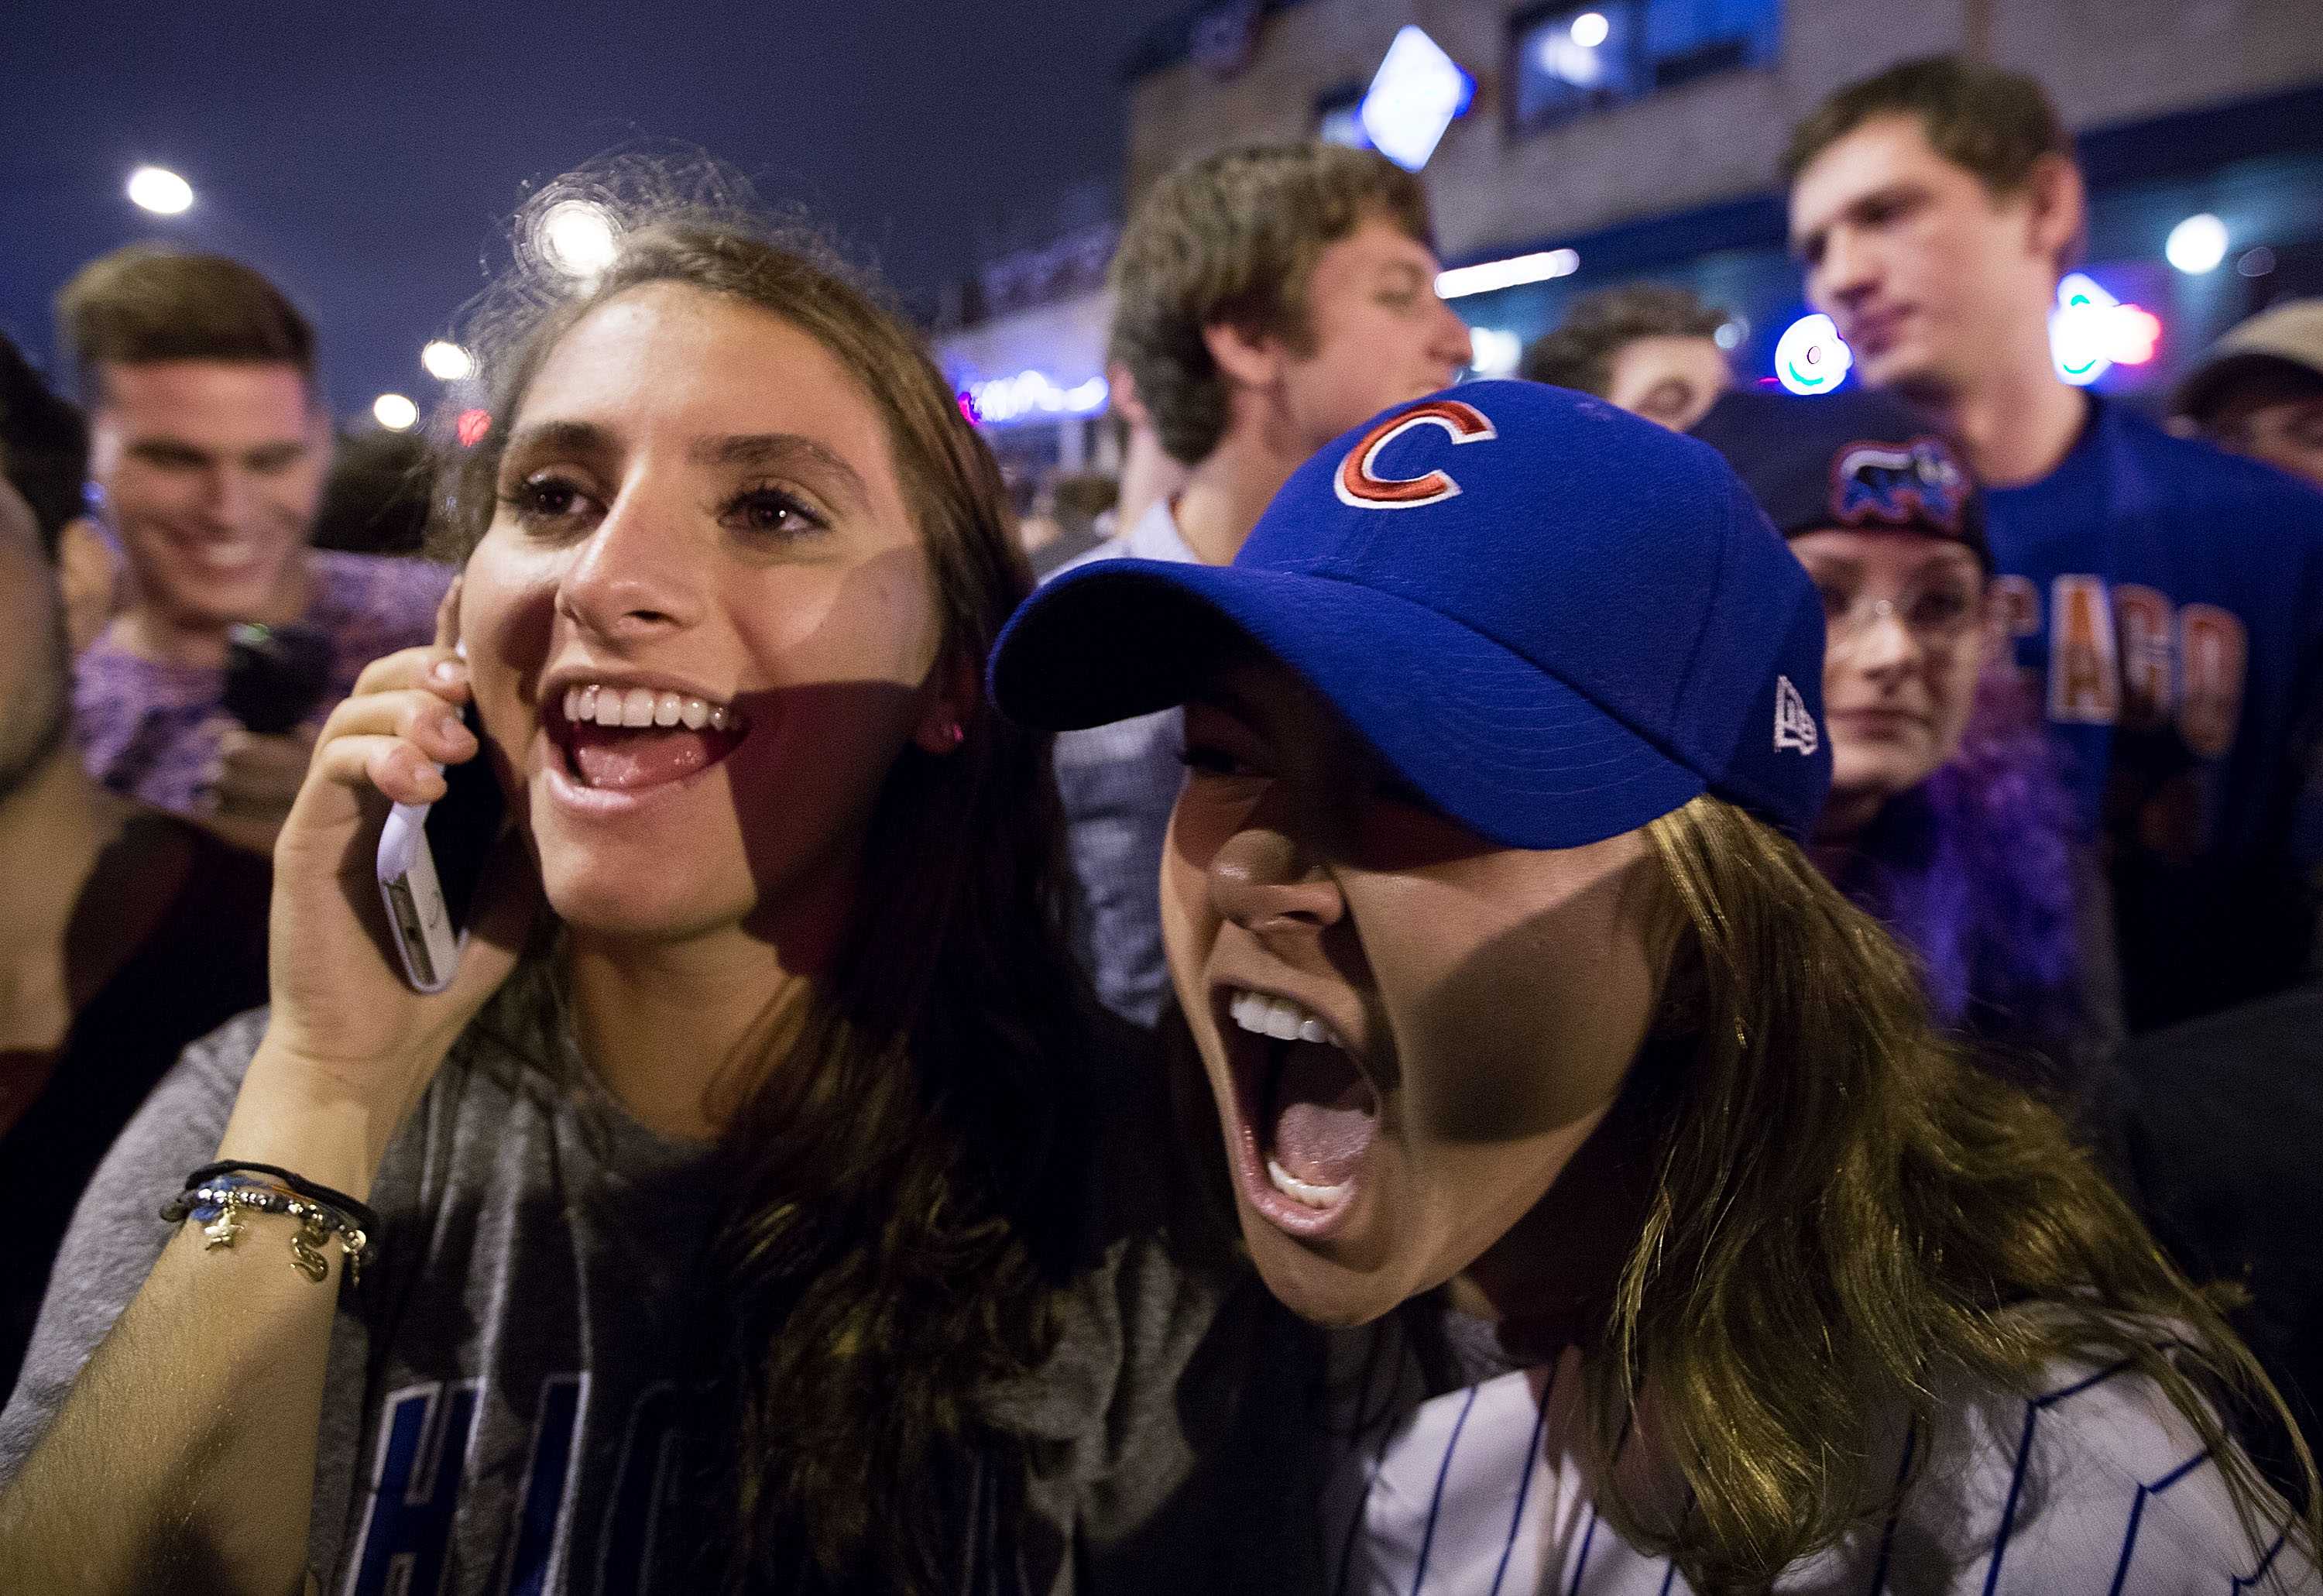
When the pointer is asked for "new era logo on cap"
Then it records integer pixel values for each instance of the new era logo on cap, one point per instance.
(1794, 723)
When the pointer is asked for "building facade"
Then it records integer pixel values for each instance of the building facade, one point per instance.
(1644, 137)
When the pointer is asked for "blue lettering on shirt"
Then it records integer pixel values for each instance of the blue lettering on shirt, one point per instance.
(414, 1487)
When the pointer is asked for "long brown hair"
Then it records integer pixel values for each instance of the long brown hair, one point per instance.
(1847, 1217)
(899, 1164)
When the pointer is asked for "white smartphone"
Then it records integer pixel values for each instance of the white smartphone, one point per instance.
(431, 857)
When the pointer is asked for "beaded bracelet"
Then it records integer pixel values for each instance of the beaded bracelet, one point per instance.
(305, 1188)
(214, 1202)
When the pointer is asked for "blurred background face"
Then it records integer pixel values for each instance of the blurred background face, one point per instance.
(35, 668)
(1670, 380)
(700, 621)
(2279, 422)
(1409, 1031)
(1909, 632)
(214, 472)
(1378, 335)
(1913, 260)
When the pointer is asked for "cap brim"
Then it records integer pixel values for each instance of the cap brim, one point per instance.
(2204, 388)
(1490, 737)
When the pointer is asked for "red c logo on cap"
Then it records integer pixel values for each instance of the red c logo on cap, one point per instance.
(1359, 487)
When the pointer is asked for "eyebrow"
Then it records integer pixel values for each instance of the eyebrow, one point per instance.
(782, 451)
(578, 437)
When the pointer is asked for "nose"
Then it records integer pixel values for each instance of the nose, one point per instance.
(631, 578)
(1450, 342)
(228, 497)
(1884, 646)
(1262, 881)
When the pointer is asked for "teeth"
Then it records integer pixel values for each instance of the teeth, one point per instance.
(1265, 1014)
(644, 707)
(1305, 1192)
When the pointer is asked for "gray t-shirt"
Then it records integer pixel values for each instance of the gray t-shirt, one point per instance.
(502, 1413)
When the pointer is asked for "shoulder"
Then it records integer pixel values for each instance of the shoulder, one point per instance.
(374, 592)
(1155, 537)
(1113, 548)
(2094, 1481)
(2194, 476)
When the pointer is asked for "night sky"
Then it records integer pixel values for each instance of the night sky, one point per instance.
(365, 156)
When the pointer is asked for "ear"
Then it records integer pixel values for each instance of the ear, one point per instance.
(1252, 361)
(1685, 1006)
(2058, 213)
(1121, 389)
(951, 699)
(86, 574)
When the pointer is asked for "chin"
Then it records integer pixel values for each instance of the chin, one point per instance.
(633, 904)
(1315, 1288)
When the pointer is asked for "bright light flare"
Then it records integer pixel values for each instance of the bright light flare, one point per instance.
(1496, 354)
(394, 412)
(1418, 92)
(1590, 30)
(1811, 358)
(577, 238)
(160, 191)
(2197, 244)
(471, 427)
(1031, 394)
(447, 362)
(2091, 332)
(1486, 277)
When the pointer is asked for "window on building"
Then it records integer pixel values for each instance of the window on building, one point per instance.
(1338, 115)
(1570, 59)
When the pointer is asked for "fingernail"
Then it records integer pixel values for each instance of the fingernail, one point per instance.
(448, 671)
(456, 732)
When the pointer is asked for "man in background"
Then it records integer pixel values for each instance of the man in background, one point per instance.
(1648, 347)
(2167, 599)
(211, 442)
(1266, 301)
(2259, 391)
(127, 932)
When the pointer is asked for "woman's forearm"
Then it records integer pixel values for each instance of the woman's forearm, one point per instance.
(183, 1458)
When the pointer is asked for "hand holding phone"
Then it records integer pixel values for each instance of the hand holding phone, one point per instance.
(349, 1044)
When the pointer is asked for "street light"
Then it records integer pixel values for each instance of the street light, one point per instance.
(394, 412)
(2197, 244)
(577, 238)
(447, 362)
(160, 191)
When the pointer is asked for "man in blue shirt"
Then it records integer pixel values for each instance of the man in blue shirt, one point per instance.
(2167, 599)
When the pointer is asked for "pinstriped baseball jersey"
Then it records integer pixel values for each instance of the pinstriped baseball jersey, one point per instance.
(2096, 1485)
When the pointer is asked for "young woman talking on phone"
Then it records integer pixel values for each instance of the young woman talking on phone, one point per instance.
(765, 1073)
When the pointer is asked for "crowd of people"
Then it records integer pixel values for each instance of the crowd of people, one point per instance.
(1604, 982)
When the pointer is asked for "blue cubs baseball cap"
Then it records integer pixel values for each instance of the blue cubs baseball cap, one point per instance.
(1557, 621)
